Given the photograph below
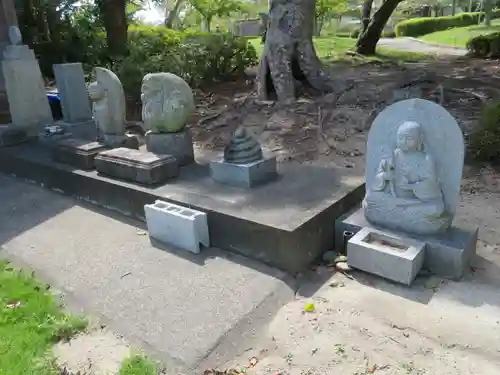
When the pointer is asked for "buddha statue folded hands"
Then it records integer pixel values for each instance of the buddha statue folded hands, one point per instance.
(405, 193)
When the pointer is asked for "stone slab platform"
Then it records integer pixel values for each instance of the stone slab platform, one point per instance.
(190, 311)
(287, 223)
(134, 165)
(77, 152)
(447, 255)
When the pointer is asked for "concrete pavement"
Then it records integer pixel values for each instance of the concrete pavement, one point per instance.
(414, 45)
(190, 310)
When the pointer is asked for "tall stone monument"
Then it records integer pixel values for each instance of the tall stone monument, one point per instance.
(22, 81)
(7, 18)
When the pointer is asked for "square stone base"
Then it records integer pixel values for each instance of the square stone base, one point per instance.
(393, 257)
(244, 175)
(12, 135)
(133, 165)
(179, 145)
(447, 255)
(77, 152)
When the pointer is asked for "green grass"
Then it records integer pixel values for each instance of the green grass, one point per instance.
(31, 321)
(336, 48)
(459, 36)
(138, 365)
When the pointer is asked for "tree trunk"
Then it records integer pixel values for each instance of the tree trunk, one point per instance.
(114, 18)
(367, 42)
(172, 14)
(487, 5)
(453, 7)
(289, 53)
(366, 13)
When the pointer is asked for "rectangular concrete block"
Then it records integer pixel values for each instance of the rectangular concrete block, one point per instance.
(77, 152)
(244, 175)
(138, 166)
(182, 227)
(75, 102)
(446, 255)
(387, 255)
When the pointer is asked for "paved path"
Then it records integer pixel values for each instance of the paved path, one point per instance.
(415, 45)
(188, 310)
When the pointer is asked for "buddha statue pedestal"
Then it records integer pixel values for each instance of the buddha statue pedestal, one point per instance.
(243, 164)
(179, 145)
(447, 254)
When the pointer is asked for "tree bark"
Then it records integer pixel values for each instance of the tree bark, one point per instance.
(114, 18)
(367, 41)
(289, 53)
(366, 13)
(172, 14)
(487, 6)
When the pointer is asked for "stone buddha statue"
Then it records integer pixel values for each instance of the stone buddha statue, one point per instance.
(406, 193)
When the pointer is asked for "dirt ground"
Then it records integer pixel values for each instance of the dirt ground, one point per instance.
(362, 324)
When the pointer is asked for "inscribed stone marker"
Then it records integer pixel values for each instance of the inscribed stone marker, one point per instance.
(73, 92)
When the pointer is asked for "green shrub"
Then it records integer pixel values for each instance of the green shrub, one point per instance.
(426, 25)
(484, 45)
(199, 58)
(484, 141)
(355, 33)
(388, 34)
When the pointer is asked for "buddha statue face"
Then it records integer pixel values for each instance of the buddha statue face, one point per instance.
(410, 137)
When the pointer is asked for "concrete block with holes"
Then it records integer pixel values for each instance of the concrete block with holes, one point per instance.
(385, 254)
(175, 225)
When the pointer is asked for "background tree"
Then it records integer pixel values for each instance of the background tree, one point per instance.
(289, 52)
(326, 10)
(114, 17)
(369, 37)
(208, 9)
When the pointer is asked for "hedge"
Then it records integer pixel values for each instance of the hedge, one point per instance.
(426, 25)
(484, 45)
(199, 58)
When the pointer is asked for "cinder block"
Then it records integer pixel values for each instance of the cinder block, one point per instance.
(447, 254)
(244, 175)
(393, 257)
(182, 227)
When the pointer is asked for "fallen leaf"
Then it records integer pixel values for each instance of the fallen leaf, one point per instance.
(343, 267)
(310, 308)
(336, 284)
(371, 369)
(13, 304)
(253, 361)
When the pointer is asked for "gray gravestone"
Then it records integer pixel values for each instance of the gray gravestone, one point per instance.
(75, 100)
(414, 160)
